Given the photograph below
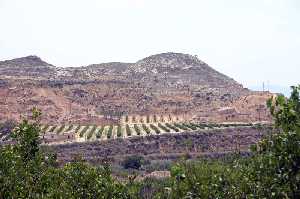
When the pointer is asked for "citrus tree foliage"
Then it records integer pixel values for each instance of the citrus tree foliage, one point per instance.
(272, 171)
(27, 172)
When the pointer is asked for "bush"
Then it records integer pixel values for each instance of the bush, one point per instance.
(190, 126)
(165, 129)
(146, 129)
(119, 131)
(128, 130)
(137, 129)
(109, 132)
(180, 126)
(77, 128)
(99, 133)
(133, 162)
(157, 131)
(89, 136)
(172, 127)
(83, 131)
(27, 172)
(60, 129)
(70, 128)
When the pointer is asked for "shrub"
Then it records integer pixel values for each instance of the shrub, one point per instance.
(70, 127)
(77, 128)
(128, 130)
(146, 129)
(172, 127)
(194, 125)
(83, 131)
(89, 136)
(119, 131)
(60, 129)
(201, 126)
(163, 128)
(190, 126)
(157, 131)
(137, 129)
(99, 133)
(148, 119)
(181, 126)
(29, 172)
(109, 132)
(133, 162)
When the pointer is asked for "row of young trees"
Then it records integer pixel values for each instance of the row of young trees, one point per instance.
(26, 171)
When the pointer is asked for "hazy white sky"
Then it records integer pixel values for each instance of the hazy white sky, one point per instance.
(252, 41)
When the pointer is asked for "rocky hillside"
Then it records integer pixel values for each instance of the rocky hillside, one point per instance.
(27, 67)
(101, 93)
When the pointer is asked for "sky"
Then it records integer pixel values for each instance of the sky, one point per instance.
(252, 41)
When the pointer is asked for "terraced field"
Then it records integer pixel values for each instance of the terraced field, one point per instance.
(83, 133)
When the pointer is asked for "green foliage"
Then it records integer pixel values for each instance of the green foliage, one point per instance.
(180, 126)
(190, 126)
(110, 131)
(70, 128)
(83, 131)
(133, 162)
(92, 131)
(128, 130)
(146, 129)
(165, 129)
(77, 128)
(60, 129)
(195, 126)
(171, 127)
(119, 131)
(157, 131)
(137, 129)
(27, 172)
(272, 171)
(99, 133)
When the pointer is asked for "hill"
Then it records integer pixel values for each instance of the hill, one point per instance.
(167, 83)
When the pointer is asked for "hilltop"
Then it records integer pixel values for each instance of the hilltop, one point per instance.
(100, 93)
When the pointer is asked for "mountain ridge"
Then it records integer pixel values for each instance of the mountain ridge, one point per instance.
(163, 83)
